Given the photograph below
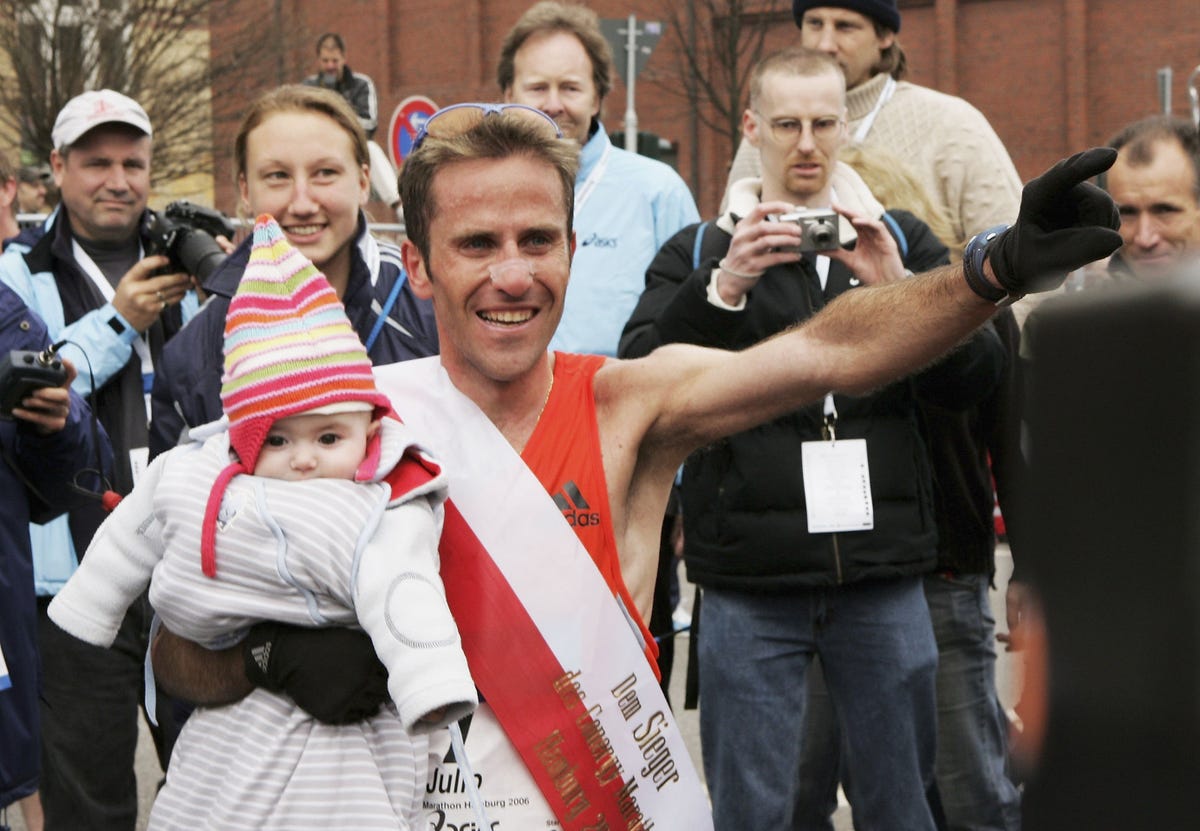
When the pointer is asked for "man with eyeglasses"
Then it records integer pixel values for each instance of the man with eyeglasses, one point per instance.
(547, 609)
(782, 579)
(948, 143)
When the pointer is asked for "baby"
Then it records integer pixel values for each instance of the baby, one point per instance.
(309, 503)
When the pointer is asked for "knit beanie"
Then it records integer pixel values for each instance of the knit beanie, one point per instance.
(289, 349)
(882, 11)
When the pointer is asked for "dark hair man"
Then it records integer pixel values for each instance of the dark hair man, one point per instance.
(85, 272)
(489, 211)
(1155, 182)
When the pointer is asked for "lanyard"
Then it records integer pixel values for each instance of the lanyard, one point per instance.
(829, 425)
(105, 288)
(865, 125)
(585, 190)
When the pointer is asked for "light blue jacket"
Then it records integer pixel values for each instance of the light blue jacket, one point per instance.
(632, 210)
(96, 349)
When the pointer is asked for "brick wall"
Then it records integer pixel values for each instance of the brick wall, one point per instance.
(1051, 75)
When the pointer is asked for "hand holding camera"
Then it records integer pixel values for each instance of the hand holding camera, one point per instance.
(189, 235)
(35, 387)
(818, 229)
(143, 292)
(875, 258)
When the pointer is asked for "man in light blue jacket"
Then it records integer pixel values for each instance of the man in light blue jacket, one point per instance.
(87, 273)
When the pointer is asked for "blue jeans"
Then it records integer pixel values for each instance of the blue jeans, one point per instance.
(972, 754)
(972, 744)
(877, 647)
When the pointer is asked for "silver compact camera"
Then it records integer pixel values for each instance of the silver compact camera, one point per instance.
(819, 226)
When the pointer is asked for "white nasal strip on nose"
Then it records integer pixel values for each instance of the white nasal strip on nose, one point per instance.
(510, 270)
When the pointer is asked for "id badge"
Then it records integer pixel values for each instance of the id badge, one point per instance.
(837, 486)
(139, 460)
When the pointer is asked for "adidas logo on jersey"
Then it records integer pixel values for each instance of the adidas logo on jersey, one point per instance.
(575, 509)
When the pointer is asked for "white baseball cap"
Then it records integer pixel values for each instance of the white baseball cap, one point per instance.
(91, 109)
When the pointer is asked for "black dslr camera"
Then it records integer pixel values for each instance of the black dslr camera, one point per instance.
(185, 233)
(23, 372)
(820, 228)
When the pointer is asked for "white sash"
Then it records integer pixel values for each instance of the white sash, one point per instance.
(573, 608)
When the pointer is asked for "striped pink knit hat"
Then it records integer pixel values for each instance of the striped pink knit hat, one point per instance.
(289, 348)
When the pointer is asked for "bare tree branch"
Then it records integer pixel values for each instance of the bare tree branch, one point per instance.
(155, 51)
(714, 52)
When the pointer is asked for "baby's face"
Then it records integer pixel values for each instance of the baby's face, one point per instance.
(309, 446)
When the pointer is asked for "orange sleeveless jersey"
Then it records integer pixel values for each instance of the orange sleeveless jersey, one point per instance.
(564, 454)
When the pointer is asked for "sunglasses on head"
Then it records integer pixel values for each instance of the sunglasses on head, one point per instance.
(458, 119)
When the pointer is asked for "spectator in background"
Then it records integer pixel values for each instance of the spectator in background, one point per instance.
(949, 144)
(83, 271)
(359, 92)
(33, 190)
(776, 593)
(975, 789)
(1155, 182)
(46, 447)
(627, 206)
(9, 188)
(556, 58)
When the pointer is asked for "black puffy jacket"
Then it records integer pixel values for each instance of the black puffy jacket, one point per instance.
(744, 507)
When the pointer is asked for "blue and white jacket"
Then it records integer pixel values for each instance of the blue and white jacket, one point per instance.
(626, 208)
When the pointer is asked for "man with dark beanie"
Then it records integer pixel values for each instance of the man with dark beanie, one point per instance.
(948, 143)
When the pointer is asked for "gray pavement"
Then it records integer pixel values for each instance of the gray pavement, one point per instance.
(1007, 679)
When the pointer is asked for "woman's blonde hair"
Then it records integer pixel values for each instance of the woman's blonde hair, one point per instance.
(896, 186)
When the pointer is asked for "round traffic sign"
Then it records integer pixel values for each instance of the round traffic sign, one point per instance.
(406, 122)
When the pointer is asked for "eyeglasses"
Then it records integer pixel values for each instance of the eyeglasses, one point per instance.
(458, 119)
(789, 130)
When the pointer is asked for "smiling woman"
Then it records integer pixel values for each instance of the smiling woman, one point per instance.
(306, 165)
(301, 157)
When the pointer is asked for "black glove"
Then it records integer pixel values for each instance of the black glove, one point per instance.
(1065, 223)
(333, 674)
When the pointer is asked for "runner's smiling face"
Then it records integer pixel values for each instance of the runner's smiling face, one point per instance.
(494, 324)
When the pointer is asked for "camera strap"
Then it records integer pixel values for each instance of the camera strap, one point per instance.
(140, 346)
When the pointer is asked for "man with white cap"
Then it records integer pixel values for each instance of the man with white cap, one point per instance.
(84, 271)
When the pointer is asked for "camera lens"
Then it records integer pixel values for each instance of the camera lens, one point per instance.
(822, 236)
(199, 254)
